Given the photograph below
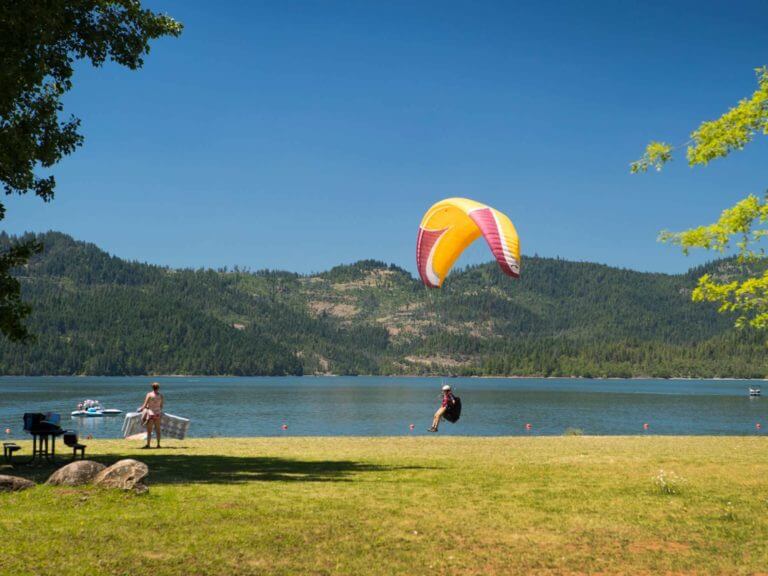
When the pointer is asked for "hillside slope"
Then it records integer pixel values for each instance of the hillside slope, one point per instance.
(98, 314)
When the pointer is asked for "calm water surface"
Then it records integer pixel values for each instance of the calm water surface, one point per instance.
(379, 406)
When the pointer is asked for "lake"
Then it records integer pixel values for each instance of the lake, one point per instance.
(381, 406)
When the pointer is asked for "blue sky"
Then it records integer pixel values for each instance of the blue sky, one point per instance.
(302, 135)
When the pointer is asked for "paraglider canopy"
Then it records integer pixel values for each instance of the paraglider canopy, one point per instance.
(451, 225)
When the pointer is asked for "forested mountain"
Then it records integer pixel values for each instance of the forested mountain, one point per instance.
(97, 314)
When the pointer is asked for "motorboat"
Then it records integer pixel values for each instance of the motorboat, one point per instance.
(91, 412)
(94, 409)
(754, 391)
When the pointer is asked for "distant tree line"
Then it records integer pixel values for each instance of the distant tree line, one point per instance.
(98, 314)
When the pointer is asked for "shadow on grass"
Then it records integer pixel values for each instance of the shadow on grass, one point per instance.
(213, 469)
(179, 469)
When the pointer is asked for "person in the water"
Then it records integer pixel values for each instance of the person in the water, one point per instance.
(448, 400)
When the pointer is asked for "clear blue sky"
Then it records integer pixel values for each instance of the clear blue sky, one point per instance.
(302, 135)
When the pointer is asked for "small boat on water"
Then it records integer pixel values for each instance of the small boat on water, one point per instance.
(754, 391)
(94, 409)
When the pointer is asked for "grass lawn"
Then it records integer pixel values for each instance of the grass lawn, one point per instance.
(558, 505)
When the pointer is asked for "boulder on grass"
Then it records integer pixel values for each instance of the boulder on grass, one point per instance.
(124, 474)
(14, 483)
(76, 473)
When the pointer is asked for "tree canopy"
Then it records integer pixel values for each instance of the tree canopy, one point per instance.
(716, 138)
(743, 292)
(40, 42)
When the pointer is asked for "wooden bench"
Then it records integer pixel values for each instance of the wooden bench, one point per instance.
(70, 439)
(8, 449)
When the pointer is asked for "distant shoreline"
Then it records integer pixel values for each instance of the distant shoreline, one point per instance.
(484, 377)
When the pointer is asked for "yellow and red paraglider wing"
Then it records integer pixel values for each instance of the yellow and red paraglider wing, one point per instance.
(451, 225)
(501, 236)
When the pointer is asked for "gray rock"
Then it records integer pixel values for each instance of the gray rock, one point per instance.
(76, 473)
(124, 474)
(14, 483)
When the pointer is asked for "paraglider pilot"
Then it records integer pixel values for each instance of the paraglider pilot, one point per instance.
(448, 401)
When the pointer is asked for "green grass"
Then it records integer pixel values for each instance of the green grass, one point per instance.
(561, 505)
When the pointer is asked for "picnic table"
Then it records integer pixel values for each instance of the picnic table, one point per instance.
(44, 428)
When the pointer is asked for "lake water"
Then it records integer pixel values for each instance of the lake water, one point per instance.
(378, 406)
